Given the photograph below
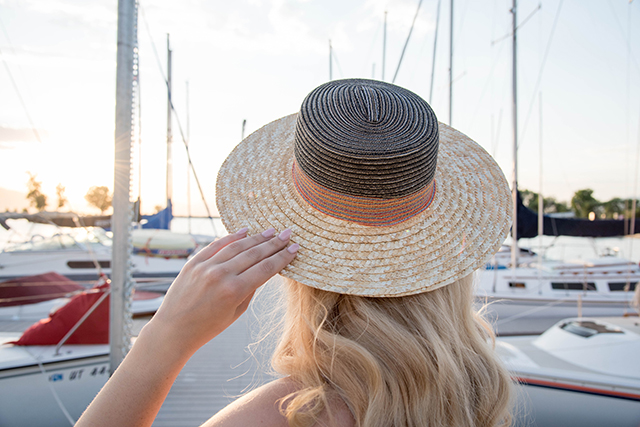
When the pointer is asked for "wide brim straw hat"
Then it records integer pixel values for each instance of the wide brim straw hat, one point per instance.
(382, 199)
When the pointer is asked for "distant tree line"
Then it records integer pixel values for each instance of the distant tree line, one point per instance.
(583, 205)
(97, 196)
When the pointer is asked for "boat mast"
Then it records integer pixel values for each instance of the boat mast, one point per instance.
(514, 187)
(121, 284)
(435, 45)
(188, 141)
(169, 134)
(330, 62)
(384, 44)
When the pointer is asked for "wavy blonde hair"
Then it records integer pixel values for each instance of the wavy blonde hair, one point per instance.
(419, 360)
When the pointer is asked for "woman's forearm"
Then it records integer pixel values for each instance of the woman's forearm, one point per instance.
(134, 394)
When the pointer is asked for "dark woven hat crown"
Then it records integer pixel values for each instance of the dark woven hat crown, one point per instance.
(367, 138)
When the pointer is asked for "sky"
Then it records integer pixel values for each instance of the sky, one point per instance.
(255, 60)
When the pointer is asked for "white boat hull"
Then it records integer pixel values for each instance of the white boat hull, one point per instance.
(549, 404)
(581, 372)
(28, 396)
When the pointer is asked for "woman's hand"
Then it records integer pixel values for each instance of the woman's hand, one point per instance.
(215, 287)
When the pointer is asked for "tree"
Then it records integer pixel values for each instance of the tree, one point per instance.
(99, 197)
(35, 196)
(62, 199)
(583, 203)
(614, 208)
(551, 205)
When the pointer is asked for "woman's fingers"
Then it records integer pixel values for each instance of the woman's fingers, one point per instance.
(253, 254)
(214, 247)
(262, 271)
(235, 248)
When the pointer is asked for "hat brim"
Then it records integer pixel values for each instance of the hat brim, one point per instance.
(460, 231)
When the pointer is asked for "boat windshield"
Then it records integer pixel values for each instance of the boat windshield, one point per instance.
(76, 239)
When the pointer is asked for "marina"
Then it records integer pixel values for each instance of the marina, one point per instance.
(563, 307)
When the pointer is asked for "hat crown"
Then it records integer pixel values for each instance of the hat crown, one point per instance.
(368, 101)
(367, 138)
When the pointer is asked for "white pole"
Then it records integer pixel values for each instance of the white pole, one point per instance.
(384, 44)
(169, 134)
(330, 62)
(188, 166)
(435, 44)
(514, 188)
(121, 220)
(540, 205)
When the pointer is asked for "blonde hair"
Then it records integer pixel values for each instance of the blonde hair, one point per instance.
(420, 360)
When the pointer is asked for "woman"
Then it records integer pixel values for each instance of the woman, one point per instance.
(391, 213)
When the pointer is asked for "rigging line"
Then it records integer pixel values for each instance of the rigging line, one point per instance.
(24, 106)
(544, 61)
(486, 85)
(186, 147)
(155, 51)
(53, 391)
(335, 57)
(407, 41)
(373, 44)
(624, 37)
(463, 15)
(519, 25)
(435, 43)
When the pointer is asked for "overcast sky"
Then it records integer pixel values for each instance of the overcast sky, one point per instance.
(255, 60)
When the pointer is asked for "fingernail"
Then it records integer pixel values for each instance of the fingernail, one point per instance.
(242, 231)
(269, 233)
(293, 248)
(284, 236)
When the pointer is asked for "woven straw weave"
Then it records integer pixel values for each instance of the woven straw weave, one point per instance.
(462, 228)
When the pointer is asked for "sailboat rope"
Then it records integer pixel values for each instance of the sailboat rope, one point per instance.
(184, 141)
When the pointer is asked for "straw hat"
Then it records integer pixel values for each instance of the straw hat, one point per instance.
(383, 199)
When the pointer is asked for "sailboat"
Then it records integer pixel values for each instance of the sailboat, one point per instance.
(528, 295)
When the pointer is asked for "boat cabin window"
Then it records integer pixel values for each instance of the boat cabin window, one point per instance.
(589, 328)
(573, 286)
(88, 264)
(622, 286)
(519, 285)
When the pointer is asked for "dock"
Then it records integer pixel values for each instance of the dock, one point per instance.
(216, 375)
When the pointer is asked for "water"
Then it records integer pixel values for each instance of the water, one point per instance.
(563, 248)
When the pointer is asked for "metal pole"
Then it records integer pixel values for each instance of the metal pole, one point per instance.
(540, 206)
(435, 44)
(514, 188)
(330, 62)
(169, 135)
(188, 168)
(384, 44)
(120, 280)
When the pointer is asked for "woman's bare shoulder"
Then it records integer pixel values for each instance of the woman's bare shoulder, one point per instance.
(261, 407)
